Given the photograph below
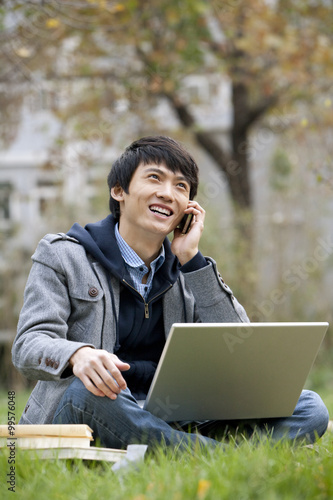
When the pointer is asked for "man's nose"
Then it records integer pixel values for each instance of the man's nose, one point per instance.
(165, 191)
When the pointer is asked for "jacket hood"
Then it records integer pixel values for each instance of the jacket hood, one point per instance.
(99, 240)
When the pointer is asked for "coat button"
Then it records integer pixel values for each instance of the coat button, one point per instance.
(93, 292)
(56, 365)
(221, 278)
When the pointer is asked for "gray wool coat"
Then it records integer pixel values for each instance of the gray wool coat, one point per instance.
(67, 305)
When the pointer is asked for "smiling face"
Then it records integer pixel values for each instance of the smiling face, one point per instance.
(154, 204)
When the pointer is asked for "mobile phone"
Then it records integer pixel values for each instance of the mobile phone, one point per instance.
(185, 223)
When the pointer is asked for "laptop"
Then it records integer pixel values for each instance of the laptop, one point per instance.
(232, 371)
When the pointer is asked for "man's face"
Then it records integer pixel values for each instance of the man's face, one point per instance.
(156, 200)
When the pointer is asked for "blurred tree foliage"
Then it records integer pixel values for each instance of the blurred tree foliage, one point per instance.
(281, 169)
(99, 63)
(127, 54)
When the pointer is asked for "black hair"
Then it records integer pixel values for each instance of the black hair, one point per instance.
(153, 149)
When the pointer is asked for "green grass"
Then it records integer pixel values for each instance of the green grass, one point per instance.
(252, 470)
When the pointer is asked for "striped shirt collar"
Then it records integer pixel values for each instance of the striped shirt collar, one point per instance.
(136, 266)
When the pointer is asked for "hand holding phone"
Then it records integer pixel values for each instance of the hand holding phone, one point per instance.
(186, 247)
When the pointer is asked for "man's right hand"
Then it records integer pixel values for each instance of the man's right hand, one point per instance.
(100, 371)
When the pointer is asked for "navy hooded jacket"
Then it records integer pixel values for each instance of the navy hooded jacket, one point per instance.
(140, 331)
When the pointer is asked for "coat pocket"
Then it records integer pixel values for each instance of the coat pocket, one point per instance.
(91, 292)
(43, 401)
(87, 313)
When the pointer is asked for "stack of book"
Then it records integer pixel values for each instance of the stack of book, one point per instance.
(56, 441)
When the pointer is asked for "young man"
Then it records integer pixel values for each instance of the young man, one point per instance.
(100, 301)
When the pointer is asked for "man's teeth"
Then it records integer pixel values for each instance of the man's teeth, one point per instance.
(160, 210)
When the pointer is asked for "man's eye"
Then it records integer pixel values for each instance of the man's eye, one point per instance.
(153, 176)
(182, 185)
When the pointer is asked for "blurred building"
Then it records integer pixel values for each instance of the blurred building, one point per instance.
(292, 214)
(30, 187)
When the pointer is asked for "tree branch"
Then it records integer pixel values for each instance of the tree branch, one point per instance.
(257, 112)
(210, 145)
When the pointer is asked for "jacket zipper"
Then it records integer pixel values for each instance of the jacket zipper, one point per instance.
(146, 304)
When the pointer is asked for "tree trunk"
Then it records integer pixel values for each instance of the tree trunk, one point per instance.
(236, 169)
(239, 138)
(235, 165)
(244, 202)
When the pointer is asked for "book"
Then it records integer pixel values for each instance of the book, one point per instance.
(91, 453)
(45, 442)
(23, 430)
(45, 436)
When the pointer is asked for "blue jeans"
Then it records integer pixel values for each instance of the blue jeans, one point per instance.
(120, 422)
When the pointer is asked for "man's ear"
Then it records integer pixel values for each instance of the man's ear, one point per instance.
(117, 192)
